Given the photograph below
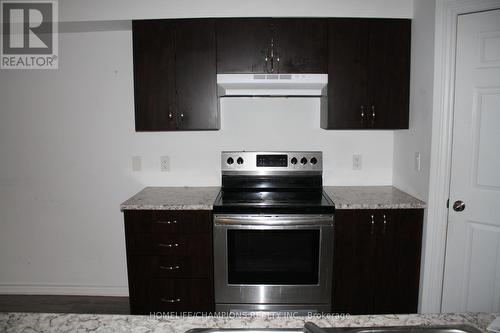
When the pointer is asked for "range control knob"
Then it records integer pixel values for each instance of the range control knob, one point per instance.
(293, 160)
(230, 160)
(314, 160)
(303, 160)
(239, 160)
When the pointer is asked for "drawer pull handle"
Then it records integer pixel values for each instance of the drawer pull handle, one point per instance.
(168, 245)
(173, 300)
(167, 222)
(385, 223)
(170, 268)
(372, 230)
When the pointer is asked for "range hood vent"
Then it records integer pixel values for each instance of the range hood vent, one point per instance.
(307, 85)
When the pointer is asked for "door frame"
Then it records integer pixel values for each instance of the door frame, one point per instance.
(447, 12)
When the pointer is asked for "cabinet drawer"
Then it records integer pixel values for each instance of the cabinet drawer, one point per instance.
(169, 244)
(168, 221)
(171, 266)
(174, 295)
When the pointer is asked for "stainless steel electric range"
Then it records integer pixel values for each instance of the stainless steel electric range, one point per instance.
(273, 234)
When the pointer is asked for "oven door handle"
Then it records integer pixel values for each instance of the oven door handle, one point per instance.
(292, 220)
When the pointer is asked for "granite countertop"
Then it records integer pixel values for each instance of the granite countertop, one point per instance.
(173, 198)
(44, 322)
(203, 198)
(371, 197)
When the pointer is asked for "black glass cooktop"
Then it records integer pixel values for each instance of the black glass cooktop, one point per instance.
(273, 201)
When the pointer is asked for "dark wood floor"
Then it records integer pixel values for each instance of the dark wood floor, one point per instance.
(64, 304)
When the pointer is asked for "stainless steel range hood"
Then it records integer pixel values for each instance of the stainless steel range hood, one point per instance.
(307, 85)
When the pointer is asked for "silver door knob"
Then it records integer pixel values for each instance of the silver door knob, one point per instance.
(458, 206)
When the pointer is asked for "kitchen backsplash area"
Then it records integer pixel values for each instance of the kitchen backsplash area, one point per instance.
(263, 124)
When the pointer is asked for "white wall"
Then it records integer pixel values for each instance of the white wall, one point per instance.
(66, 142)
(105, 10)
(418, 138)
(64, 169)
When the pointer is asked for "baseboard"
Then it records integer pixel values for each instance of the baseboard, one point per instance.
(48, 289)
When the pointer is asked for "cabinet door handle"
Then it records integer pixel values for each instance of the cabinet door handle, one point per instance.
(372, 230)
(269, 59)
(385, 223)
(167, 222)
(373, 115)
(362, 114)
(168, 245)
(170, 268)
(182, 116)
(272, 55)
(276, 54)
(170, 113)
(172, 300)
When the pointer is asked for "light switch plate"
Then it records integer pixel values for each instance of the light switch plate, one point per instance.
(418, 162)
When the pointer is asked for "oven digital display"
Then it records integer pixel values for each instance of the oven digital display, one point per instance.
(272, 160)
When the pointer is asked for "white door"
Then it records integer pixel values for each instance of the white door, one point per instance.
(472, 265)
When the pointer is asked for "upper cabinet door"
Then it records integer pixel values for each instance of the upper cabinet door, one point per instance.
(301, 45)
(196, 76)
(347, 75)
(368, 74)
(389, 73)
(243, 45)
(271, 46)
(154, 75)
(175, 78)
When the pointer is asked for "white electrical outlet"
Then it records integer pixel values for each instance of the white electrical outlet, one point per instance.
(164, 163)
(418, 162)
(136, 163)
(356, 162)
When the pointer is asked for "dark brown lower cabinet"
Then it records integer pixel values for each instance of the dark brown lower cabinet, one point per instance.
(377, 261)
(169, 261)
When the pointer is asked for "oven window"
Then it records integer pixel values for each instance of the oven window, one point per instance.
(273, 256)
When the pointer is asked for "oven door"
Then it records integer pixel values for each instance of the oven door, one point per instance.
(280, 259)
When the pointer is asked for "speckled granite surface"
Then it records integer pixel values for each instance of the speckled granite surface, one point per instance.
(371, 197)
(344, 197)
(173, 198)
(31, 322)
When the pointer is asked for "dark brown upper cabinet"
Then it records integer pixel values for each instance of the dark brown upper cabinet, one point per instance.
(175, 78)
(260, 45)
(368, 74)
